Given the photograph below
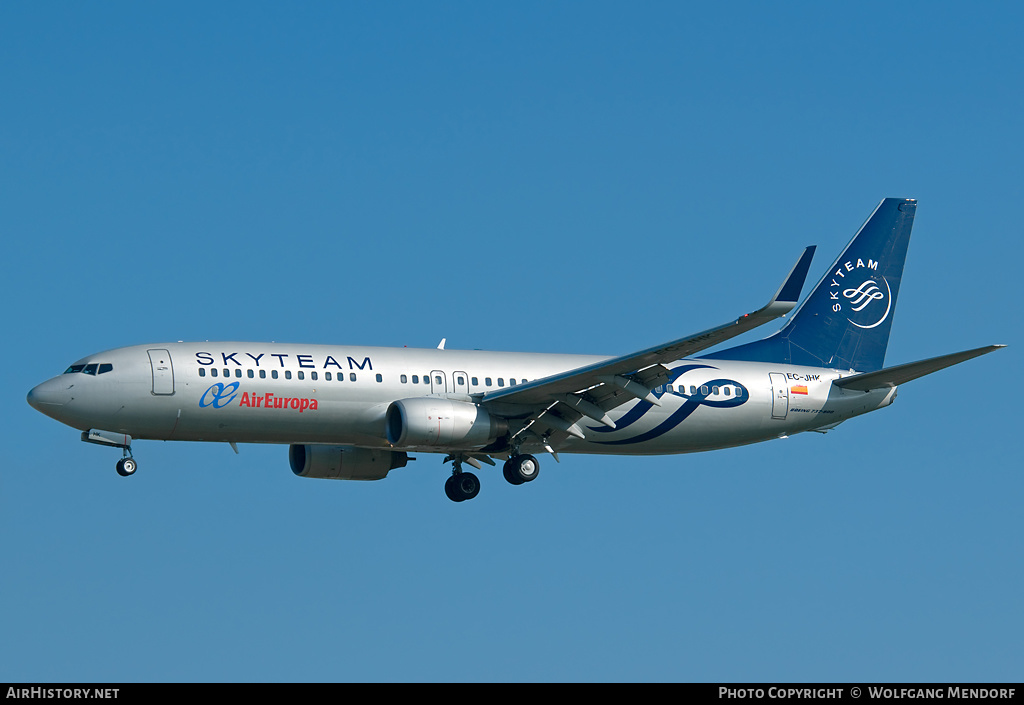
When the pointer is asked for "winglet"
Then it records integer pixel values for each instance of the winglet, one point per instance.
(788, 295)
(790, 290)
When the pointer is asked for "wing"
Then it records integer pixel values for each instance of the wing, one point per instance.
(550, 407)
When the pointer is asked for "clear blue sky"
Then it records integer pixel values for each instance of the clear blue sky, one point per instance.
(567, 177)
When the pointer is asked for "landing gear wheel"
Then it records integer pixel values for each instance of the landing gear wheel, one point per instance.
(521, 468)
(126, 467)
(462, 486)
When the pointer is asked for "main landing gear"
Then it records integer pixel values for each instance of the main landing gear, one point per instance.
(465, 485)
(462, 486)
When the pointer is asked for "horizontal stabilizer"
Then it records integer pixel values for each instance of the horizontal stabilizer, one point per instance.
(892, 376)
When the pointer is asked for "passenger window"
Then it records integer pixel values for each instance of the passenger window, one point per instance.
(693, 389)
(512, 382)
(327, 376)
(415, 379)
(460, 380)
(312, 375)
(727, 391)
(403, 379)
(704, 389)
(487, 381)
(273, 373)
(475, 382)
(287, 374)
(379, 377)
(501, 381)
(714, 390)
(352, 376)
(238, 373)
(250, 374)
(263, 374)
(437, 380)
(302, 375)
(202, 371)
(213, 371)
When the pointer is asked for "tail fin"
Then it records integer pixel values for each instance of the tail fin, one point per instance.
(844, 322)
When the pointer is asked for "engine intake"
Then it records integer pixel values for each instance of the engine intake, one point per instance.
(434, 422)
(344, 462)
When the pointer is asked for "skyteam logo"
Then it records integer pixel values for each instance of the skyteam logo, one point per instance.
(869, 296)
(867, 299)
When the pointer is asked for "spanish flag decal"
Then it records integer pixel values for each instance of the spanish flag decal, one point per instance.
(799, 389)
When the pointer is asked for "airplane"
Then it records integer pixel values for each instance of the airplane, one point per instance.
(356, 413)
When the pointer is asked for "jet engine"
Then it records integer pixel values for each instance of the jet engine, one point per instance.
(436, 422)
(344, 462)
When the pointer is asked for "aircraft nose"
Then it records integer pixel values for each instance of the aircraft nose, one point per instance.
(47, 396)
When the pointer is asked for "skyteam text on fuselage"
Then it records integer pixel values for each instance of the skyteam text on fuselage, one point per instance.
(356, 413)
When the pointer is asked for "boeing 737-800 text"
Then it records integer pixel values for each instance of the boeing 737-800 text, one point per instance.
(355, 413)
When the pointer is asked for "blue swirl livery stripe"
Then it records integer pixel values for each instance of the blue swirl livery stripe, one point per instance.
(638, 411)
(692, 403)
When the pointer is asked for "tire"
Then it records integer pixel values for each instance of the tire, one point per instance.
(461, 487)
(451, 491)
(510, 473)
(521, 468)
(467, 485)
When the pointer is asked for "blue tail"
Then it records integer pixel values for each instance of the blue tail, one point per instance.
(844, 322)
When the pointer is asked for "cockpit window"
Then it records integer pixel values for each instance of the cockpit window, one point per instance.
(93, 368)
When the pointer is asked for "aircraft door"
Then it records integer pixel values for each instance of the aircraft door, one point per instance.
(780, 395)
(460, 381)
(438, 382)
(163, 372)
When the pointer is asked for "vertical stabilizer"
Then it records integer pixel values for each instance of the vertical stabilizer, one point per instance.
(845, 321)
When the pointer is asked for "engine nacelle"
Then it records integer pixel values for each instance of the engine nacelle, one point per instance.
(344, 462)
(435, 422)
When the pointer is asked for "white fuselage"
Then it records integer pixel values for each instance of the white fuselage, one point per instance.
(321, 394)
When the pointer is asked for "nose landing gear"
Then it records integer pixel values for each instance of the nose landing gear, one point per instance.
(126, 466)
